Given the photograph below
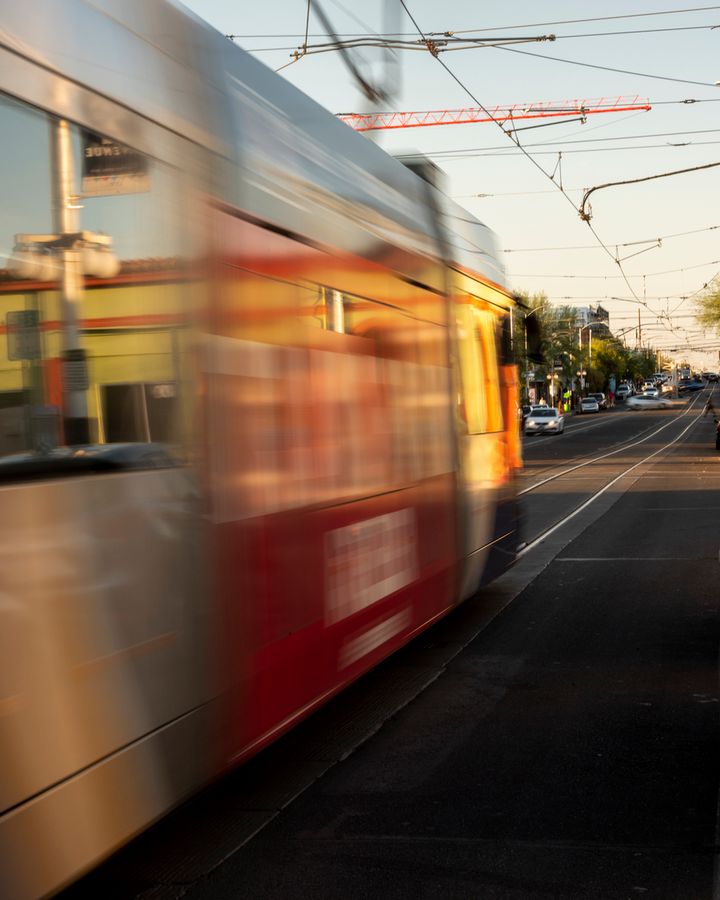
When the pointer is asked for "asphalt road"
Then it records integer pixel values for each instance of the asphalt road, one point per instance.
(556, 738)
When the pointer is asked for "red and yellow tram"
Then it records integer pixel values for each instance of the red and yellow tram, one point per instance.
(243, 460)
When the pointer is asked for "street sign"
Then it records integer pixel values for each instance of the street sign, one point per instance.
(111, 168)
(23, 334)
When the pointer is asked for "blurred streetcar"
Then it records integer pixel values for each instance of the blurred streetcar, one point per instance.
(257, 417)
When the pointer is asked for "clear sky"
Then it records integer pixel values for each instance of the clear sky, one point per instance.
(538, 224)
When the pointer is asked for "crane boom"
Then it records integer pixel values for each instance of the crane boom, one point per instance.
(502, 114)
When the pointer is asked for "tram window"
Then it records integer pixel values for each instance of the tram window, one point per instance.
(480, 390)
(471, 400)
(330, 310)
(138, 412)
(123, 413)
(25, 189)
(486, 327)
(126, 327)
(161, 411)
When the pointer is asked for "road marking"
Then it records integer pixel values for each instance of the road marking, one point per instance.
(622, 558)
(680, 508)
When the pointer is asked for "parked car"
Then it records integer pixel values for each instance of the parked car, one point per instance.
(623, 392)
(601, 400)
(545, 420)
(589, 405)
(646, 400)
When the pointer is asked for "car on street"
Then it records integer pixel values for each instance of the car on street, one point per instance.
(601, 399)
(697, 384)
(647, 401)
(544, 420)
(524, 412)
(623, 392)
(690, 384)
(589, 405)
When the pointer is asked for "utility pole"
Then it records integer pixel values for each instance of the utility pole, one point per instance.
(65, 224)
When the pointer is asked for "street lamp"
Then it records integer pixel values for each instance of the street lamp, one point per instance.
(580, 331)
(526, 316)
(581, 373)
(552, 379)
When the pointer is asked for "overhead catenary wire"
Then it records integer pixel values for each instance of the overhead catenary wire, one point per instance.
(595, 298)
(664, 237)
(444, 40)
(516, 142)
(663, 317)
(712, 262)
(574, 62)
(510, 152)
(664, 12)
(460, 151)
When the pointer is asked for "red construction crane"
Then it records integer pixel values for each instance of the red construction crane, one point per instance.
(502, 114)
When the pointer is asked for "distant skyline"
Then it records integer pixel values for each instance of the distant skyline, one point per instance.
(547, 246)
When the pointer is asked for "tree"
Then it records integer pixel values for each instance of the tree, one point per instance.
(552, 358)
(529, 314)
(609, 358)
(708, 306)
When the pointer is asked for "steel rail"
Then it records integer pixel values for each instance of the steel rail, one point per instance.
(620, 449)
(593, 497)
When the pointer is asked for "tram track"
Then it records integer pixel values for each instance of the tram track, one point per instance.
(538, 443)
(574, 429)
(626, 445)
(612, 477)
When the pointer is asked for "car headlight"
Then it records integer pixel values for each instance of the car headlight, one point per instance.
(531, 422)
(552, 424)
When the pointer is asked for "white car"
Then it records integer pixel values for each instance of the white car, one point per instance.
(544, 420)
(589, 405)
(647, 401)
